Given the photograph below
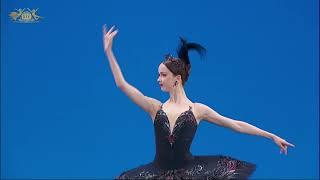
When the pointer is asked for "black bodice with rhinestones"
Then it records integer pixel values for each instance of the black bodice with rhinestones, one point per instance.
(173, 148)
(173, 159)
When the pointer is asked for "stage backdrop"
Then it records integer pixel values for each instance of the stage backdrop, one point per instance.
(62, 115)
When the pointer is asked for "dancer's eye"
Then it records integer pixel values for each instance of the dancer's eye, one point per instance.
(164, 75)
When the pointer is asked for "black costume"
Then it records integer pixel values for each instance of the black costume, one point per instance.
(173, 159)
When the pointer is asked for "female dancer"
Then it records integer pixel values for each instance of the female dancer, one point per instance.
(176, 120)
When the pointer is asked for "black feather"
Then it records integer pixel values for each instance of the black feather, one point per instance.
(184, 47)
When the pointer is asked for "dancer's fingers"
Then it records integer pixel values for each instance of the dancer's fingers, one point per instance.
(113, 33)
(104, 27)
(290, 144)
(110, 30)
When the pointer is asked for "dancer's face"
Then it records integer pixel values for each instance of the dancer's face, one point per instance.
(166, 78)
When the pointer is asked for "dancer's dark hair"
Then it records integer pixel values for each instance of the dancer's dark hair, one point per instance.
(181, 65)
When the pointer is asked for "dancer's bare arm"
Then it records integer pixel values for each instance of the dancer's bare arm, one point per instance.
(212, 116)
(148, 104)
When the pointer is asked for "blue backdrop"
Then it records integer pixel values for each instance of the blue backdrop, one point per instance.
(62, 115)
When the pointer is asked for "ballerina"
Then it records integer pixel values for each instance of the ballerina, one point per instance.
(176, 120)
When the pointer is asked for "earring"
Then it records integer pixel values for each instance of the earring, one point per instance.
(175, 84)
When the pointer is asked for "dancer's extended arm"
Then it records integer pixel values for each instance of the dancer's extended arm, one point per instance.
(148, 104)
(210, 115)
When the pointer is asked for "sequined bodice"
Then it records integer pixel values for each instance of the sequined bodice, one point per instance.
(173, 148)
(173, 159)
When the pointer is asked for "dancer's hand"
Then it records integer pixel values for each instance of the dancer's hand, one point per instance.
(283, 144)
(108, 37)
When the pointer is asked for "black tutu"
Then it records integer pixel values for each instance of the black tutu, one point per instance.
(173, 159)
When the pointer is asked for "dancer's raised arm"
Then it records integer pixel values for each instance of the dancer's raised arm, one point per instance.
(148, 104)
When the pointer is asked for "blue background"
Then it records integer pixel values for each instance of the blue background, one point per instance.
(62, 115)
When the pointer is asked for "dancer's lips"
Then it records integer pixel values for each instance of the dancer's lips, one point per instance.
(161, 85)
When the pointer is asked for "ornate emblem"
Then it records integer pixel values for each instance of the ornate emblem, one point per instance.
(25, 15)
